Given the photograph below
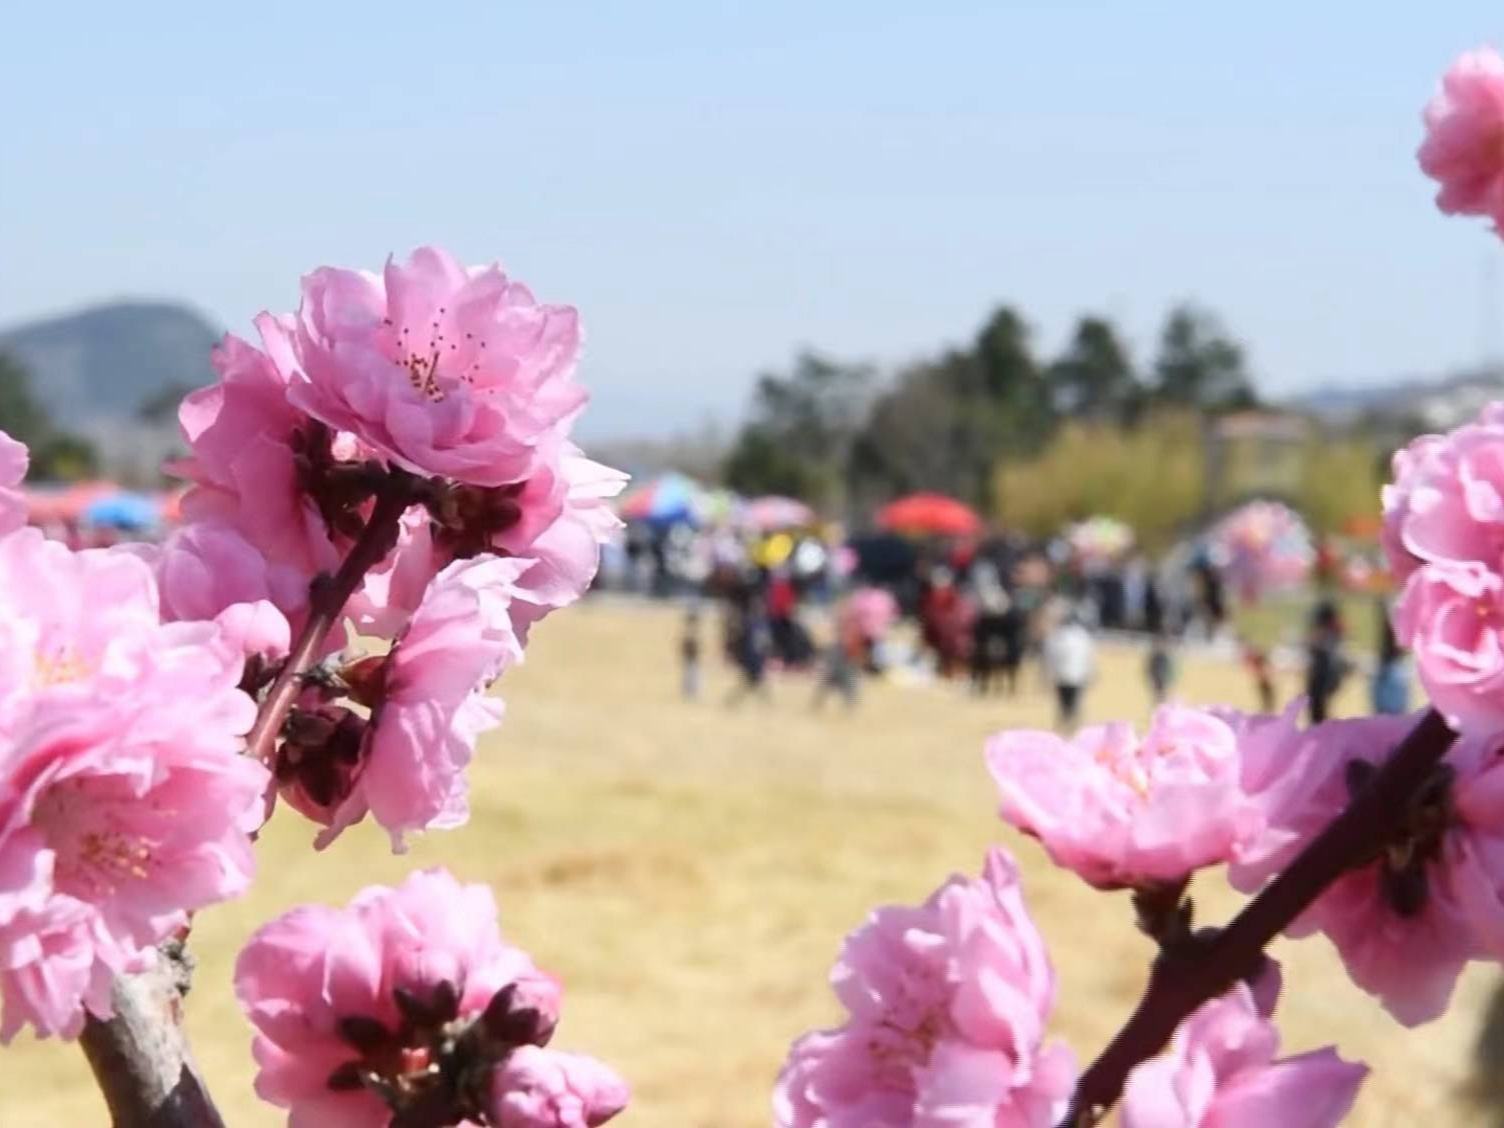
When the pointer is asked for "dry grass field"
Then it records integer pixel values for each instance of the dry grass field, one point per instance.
(690, 871)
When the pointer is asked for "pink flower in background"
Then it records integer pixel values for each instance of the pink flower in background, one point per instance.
(432, 705)
(443, 370)
(124, 801)
(375, 990)
(1464, 146)
(946, 1007)
(1406, 923)
(1220, 1072)
(1124, 811)
(243, 436)
(538, 1088)
(14, 459)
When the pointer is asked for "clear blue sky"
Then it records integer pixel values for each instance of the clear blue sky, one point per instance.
(716, 184)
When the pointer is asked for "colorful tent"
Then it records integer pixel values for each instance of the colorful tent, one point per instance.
(929, 514)
(669, 499)
(771, 513)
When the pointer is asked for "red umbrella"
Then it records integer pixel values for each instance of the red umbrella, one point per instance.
(929, 514)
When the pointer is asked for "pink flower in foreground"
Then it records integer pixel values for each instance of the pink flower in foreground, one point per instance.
(559, 524)
(946, 1007)
(1220, 1072)
(124, 801)
(210, 572)
(244, 438)
(537, 1088)
(1464, 146)
(14, 459)
(1406, 923)
(443, 370)
(1121, 810)
(432, 704)
(375, 994)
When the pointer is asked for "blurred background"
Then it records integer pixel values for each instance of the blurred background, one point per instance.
(977, 365)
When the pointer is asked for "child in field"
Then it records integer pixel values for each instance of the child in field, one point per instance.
(1159, 668)
(689, 656)
(1256, 658)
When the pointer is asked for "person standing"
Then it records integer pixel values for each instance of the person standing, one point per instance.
(1159, 668)
(1391, 678)
(689, 656)
(1070, 658)
(1326, 663)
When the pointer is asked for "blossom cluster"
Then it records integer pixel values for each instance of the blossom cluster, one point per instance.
(125, 804)
(392, 461)
(452, 389)
(410, 1006)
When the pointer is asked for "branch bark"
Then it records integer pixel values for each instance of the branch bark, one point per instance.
(1183, 979)
(140, 1057)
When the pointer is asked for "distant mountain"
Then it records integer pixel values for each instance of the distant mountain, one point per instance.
(104, 363)
(94, 371)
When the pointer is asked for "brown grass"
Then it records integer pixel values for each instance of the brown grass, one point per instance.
(690, 871)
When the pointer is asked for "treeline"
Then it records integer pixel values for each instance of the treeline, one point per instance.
(829, 432)
(56, 453)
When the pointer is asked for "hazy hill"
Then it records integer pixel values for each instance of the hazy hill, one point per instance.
(105, 362)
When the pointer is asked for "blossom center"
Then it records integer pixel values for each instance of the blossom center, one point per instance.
(96, 851)
(418, 354)
(63, 664)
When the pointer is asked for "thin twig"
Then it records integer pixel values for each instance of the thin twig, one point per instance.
(1180, 984)
(326, 600)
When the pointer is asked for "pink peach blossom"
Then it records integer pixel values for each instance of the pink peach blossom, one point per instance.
(124, 801)
(433, 705)
(242, 433)
(1451, 616)
(1220, 1072)
(1464, 146)
(209, 572)
(14, 459)
(946, 1007)
(538, 1088)
(1406, 923)
(375, 989)
(1124, 811)
(560, 526)
(441, 369)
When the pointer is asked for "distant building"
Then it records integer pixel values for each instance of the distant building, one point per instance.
(1254, 453)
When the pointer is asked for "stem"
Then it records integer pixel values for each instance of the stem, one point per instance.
(140, 1057)
(1177, 986)
(327, 599)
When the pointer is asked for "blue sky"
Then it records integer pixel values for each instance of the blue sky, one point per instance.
(717, 184)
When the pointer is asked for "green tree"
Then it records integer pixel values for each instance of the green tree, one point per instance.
(798, 438)
(21, 417)
(54, 453)
(1199, 365)
(1094, 377)
(1151, 476)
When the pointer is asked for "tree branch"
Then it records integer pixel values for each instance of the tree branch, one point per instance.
(1183, 979)
(140, 1057)
(327, 599)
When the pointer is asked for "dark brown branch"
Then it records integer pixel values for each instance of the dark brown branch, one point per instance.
(140, 1057)
(326, 600)
(1181, 981)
